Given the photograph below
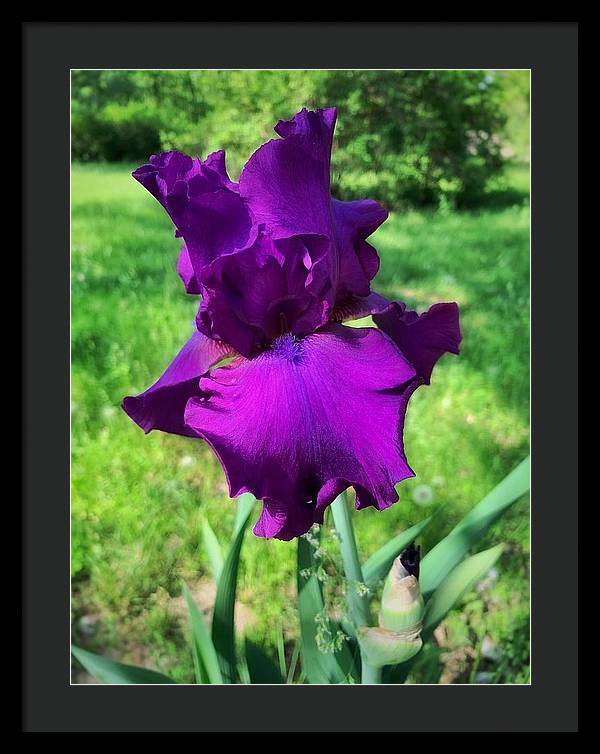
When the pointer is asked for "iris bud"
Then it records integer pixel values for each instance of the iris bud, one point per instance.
(401, 603)
(398, 637)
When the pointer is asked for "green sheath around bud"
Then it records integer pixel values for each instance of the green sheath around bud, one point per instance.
(398, 637)
(382, 647)
(402, 605)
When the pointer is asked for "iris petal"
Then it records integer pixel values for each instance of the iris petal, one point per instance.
(359, 262)
(286, 181)
(357, 307)
(422, 338)
(162, 405)
(306, 419)
(186, 272)
(277, 285)
(203, 203)
(286, 185)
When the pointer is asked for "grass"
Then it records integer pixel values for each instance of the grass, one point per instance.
(137, 501)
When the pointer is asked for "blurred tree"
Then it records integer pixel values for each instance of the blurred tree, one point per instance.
(414, 136)
(403, 137)
(515, 100)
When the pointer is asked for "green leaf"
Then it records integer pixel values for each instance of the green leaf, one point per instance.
(223, 624)
(213, 550)
(455, 585)
(109, 671)
(281, 651)
(319, 667)
(261, 667)
(206, 663)
(379, 564)
(439, 561)
(293, 662)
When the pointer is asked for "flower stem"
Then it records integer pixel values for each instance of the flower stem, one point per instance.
(358, 602)
(370, 674)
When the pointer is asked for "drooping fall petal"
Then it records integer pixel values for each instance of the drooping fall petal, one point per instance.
(162, 405)
(302, 421)
(422, 338)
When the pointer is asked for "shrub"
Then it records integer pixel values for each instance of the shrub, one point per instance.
(407, 138)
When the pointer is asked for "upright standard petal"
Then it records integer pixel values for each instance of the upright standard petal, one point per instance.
(212, 224)
(203, 203)
(286, 181)
(353, 223)
(162, 405)
(422, 339)
(287, 185)
(306, 419)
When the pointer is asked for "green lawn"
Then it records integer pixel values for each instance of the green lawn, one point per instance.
(137, 501)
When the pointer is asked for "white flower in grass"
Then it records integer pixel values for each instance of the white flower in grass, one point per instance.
(108, 412)
(423, 494)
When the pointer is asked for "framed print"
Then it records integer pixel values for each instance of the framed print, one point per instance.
(298, 289)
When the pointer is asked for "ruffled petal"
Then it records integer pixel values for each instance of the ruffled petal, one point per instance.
(216, 162)
(277, 285)
(306, 419)
(163, 171)
(203, 203)
(287, 185)
(281, 521)
(211, 223)
(162, 405)
(422, 339)
(354, 222)
(286, 181)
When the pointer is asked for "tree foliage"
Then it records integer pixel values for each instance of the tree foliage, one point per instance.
(403, 137)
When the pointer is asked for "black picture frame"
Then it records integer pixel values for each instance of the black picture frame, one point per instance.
(50, 702)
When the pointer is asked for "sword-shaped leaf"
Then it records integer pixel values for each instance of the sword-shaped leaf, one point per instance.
(440, 561)
(206, 663)
(454, 586)
(109, 671)
(223, 627)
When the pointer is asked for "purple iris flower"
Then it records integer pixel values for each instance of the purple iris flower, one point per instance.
(307, 407)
